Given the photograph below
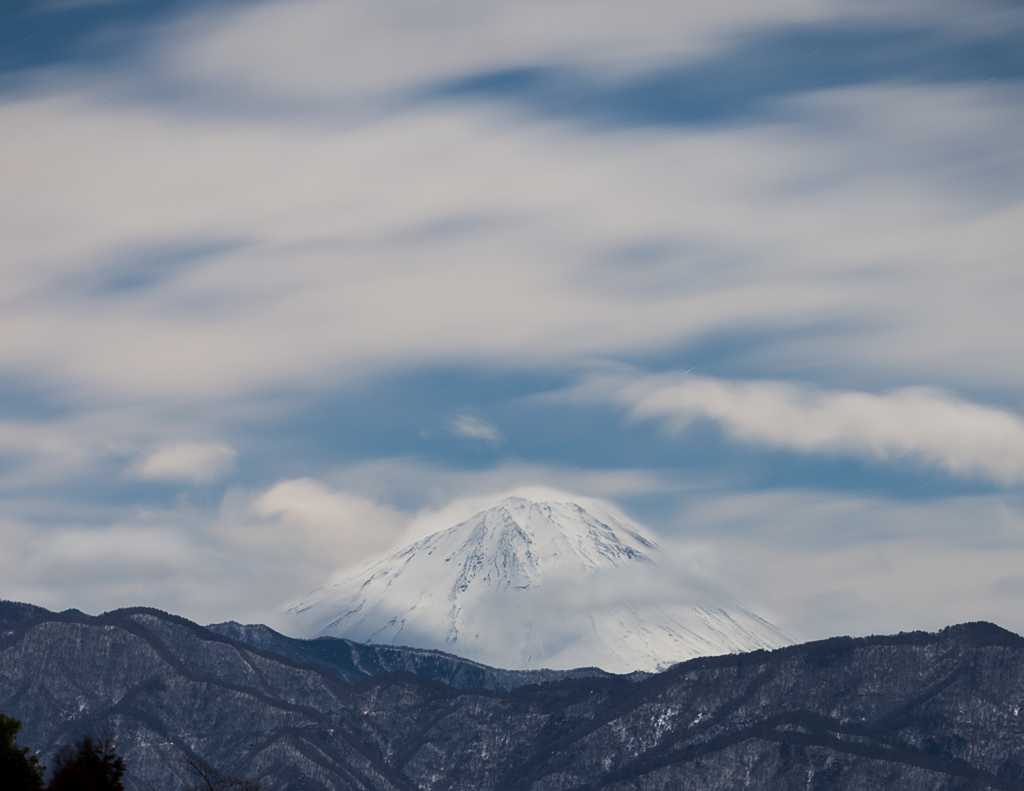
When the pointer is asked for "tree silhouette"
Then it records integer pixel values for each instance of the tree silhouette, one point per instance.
(88, 765)
(19, 771)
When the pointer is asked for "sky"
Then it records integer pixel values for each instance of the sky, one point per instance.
(286, 283)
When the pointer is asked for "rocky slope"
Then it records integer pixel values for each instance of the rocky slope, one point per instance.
(911, 711)
(535, 585)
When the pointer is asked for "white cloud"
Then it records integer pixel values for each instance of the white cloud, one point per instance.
(472, 427)
(194, 462)
(926, 425)
(331, 528)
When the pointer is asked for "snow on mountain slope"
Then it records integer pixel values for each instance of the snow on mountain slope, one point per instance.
(527, 585)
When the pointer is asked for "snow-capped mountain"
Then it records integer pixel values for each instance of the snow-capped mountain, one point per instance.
(527, 585)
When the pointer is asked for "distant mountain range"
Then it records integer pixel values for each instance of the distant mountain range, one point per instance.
(535, 585)
(913, 711)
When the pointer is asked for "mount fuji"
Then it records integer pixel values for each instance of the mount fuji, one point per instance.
(527, 585)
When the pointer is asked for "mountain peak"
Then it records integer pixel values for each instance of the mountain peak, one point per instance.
(541, 539)
(525, 585)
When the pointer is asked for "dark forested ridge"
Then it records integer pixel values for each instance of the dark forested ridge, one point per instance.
(910, 711)
(354, 662)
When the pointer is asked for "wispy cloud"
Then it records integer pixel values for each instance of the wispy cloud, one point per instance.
(472, 427)
(926, 425)
(194, 462)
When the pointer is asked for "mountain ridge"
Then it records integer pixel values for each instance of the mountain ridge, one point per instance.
(916, 710)
(326, 652)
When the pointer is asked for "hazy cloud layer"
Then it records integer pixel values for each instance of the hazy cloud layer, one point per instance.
(826, 564)
(815, 564)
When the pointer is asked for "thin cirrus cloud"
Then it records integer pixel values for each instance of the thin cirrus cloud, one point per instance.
(471, 427)
(191, 462)
(922, 424)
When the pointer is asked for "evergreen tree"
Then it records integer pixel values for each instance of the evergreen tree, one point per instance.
(88, 765)
(18, 770)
